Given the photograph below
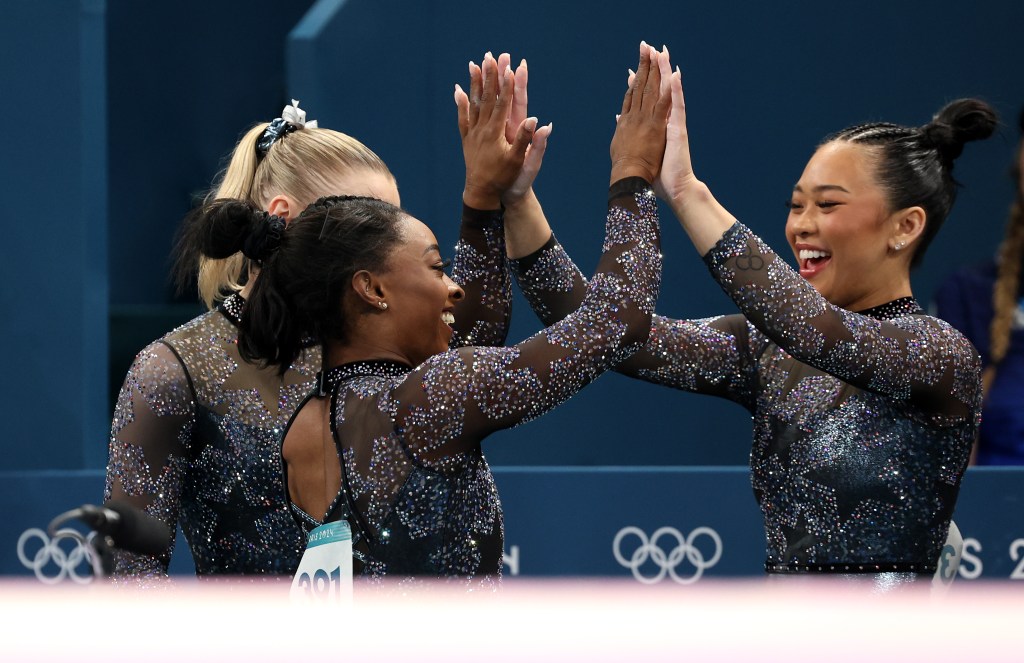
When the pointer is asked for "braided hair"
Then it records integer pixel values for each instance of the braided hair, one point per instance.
(915, 164)
(1007, 283)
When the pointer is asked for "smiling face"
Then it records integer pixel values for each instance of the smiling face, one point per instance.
(841, 230)
(419, 294)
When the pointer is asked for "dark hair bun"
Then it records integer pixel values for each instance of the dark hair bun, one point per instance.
(224, 227)
(959, 122)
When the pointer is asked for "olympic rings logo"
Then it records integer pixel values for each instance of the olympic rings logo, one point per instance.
(667, 562)
(748, 261)
(51, 563)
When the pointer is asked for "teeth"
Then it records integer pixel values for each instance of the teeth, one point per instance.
(447, 318)
(806, 254)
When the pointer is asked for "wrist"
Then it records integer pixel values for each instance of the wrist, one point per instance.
(622, 169)
(479, 197)
(519, 203)
(689, 195)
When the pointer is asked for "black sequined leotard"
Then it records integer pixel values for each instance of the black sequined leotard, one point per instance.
(415, 486)
(863, 423)
(196, 432)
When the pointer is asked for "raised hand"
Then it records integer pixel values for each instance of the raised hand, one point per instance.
(676, 174)
(703, 218)
(493, 160)
(535, 152)
(638, 145)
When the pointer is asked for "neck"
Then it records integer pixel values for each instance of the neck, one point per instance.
(246, 290)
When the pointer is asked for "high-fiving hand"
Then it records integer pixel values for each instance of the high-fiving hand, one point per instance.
(496, 135)
(638, 146)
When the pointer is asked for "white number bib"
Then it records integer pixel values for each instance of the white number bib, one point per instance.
(324, 576)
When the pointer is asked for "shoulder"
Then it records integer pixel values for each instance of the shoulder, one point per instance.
(210, 322)
(936, 330)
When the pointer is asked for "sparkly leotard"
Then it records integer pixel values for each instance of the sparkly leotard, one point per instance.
(415, 486)
(863, 423)
(196, 434)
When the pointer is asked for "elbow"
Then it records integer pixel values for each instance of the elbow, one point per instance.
(637, 332)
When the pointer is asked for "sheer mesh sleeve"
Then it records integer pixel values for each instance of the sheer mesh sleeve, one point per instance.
(153, 419)
(453, 400)
(916, 359)
(715, 356)
(482, 317)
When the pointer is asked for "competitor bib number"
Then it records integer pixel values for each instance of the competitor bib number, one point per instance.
(324, 575)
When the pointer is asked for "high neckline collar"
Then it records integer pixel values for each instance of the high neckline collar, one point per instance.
(894, 309)
(383, 368)
(232, 308)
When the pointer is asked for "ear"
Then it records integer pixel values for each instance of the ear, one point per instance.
(368, 288)
(907, 225)
(284, 206)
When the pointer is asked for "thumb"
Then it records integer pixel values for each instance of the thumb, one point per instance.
(462, 105)
(524, 136)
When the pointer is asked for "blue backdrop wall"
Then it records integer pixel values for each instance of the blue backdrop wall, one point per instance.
(120, 113)
(764, 83)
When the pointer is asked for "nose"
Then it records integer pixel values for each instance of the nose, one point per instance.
(455, 291)
(800, 225)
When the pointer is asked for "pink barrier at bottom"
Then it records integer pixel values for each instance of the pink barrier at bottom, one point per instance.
(563, 620)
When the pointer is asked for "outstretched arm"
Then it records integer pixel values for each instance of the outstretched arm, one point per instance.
(456, 399)
(916, 359)
(708, 356)
(482, 317)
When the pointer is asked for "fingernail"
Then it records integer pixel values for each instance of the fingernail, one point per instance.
(677, 70)
(531, 123)
(471, 64)
(523, 63)
(488, 55)
(631, 72)
(643, 45)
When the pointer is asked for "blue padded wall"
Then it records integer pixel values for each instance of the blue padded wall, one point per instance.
(764, 81)
(176, 83)
(54, 267)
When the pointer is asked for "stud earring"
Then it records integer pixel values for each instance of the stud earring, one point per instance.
(383, 305)
(899, 245)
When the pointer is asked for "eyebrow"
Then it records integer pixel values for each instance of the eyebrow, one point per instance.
(432, 247)
(822, 187)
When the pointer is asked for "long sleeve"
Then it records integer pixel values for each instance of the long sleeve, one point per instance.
(482, 317)
(448, 404)
(152, 421)
(915, 359)
(715, 356)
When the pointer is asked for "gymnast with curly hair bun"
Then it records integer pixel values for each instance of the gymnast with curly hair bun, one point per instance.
(391, 441)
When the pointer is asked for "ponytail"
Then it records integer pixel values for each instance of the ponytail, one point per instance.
(303, 162)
